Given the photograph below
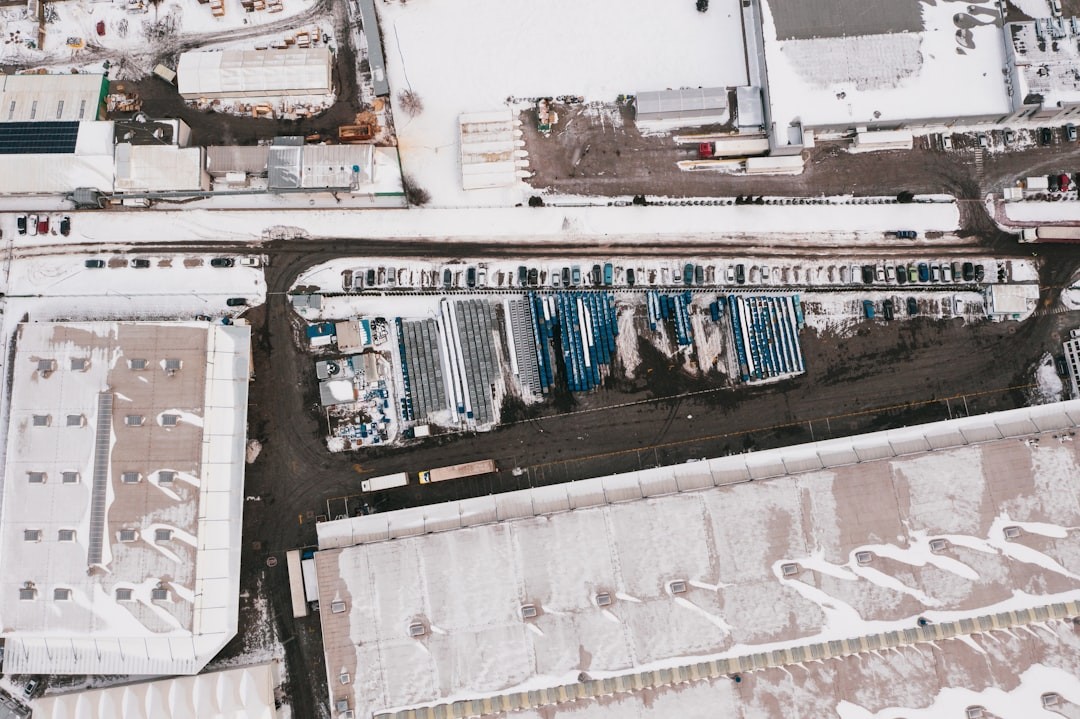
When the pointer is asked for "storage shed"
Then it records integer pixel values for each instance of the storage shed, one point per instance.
(698, 106)
(254, 73)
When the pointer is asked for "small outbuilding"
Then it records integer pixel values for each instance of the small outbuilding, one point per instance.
(699, 106)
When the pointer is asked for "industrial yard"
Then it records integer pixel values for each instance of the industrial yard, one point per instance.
(335, 331)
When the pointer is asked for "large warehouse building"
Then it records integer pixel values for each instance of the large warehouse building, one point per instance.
(122, 497)
(911, 559)
(254, 73)
(72, 97)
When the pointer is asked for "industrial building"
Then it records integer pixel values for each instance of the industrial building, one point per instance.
(242, 693)
(698, 106)
(73, 97)
(122, 497)
(205, 74)
(580, 597)
(50, 158)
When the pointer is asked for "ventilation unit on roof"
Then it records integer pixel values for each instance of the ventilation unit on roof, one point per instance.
(124, 594)
(27, 592)
(789, 569)
(603, 599)
(677, 587)
(337, 607)
(1050, 699)
(1012, 532)
(528, 611)
(342, 705)
(347, 714)
(864, 557)
(127, 535)
(416, 629)
(345, 678)
(975, 712)
(137, 363)
(78, 364)
(172, 366)
(46, 366)
(159, 594)
(938, 545)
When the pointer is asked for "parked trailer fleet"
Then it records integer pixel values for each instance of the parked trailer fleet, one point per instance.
(458, 471)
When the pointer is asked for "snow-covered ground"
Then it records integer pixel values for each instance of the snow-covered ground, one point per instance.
(1048, 385)
(470, 57)
(136, 35)
(890, 76)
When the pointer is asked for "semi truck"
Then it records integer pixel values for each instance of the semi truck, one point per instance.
(458, 471)
(1050, 233)
(389, 481)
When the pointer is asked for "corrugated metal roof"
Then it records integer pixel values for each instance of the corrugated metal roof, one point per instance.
(283, 167)
(230, 158)
(253, 73)
(681, 104)
(48, 98)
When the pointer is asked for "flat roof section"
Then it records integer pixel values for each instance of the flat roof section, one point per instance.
(828, 555)
(879, 68)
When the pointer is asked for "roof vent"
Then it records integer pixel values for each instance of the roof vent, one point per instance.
(345, 678)
(975, 712)
(28, 592)
(172, 366)
(78, 364)
(159, 594)
(46, 366)
(1050, 699)
(337, 607)
(137, 363)
(864, 557)
(347, 714)
(603, 599)
(678, 587)
(416, 629)
(789, 569)
(939, 545)
(342, 705)
(1012, 532)
(124, 594)
(528, 611)
(63, 594)
(127, 535)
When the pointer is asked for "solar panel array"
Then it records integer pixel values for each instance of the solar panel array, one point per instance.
(102, 437)
(38, 138)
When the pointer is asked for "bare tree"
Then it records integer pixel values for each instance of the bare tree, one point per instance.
(410, 103)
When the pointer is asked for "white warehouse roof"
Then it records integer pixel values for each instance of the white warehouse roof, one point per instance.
(49, 98)
(89, 164)
(502, 601)
(123, 497)
(243, 693)
(254, 73)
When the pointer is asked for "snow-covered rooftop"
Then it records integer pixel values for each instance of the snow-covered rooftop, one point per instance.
(902, 60)
(241, 693)
(41, 98)
(1045, 55)
(122, 496)
(842, 542)
(253, 73)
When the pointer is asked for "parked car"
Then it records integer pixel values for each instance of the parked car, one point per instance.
(1053, 182)
(556, 279)
(983, 141)
(868, 309)
(523, 274)
(94, 264)
(887, 309)
(935, 273)
(980, 273)
(566, 276)
(906, 234)
(608, 274)
(203, 318)
(740, 274)
(534, 277)
(575, 275)
(901, 274)
(867, 274)
(1009, 136)
(1070, 132)
(236, 302)
(924, 272)
(370, 277)
(688, 274)
(31, 225)
(250, 262)
(140, 264)
(1046, 137)
(631, 278)
(729, 274)
(913, 274)
(969, 272)
(912, 307)
(946, 272)
(65, 226)
(1063, 181)
(765, 273)
(222, 262)
(957, 272)
(470, 277)
(447, 278)
(879, 273)
(699, 274)
(20, 224)
(30, 688)
(43, 224)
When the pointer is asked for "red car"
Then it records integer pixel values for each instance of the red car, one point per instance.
(43, 224)
(100, 28)
(1064, 181)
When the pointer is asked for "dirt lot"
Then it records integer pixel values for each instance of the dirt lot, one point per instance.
(597, 150)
